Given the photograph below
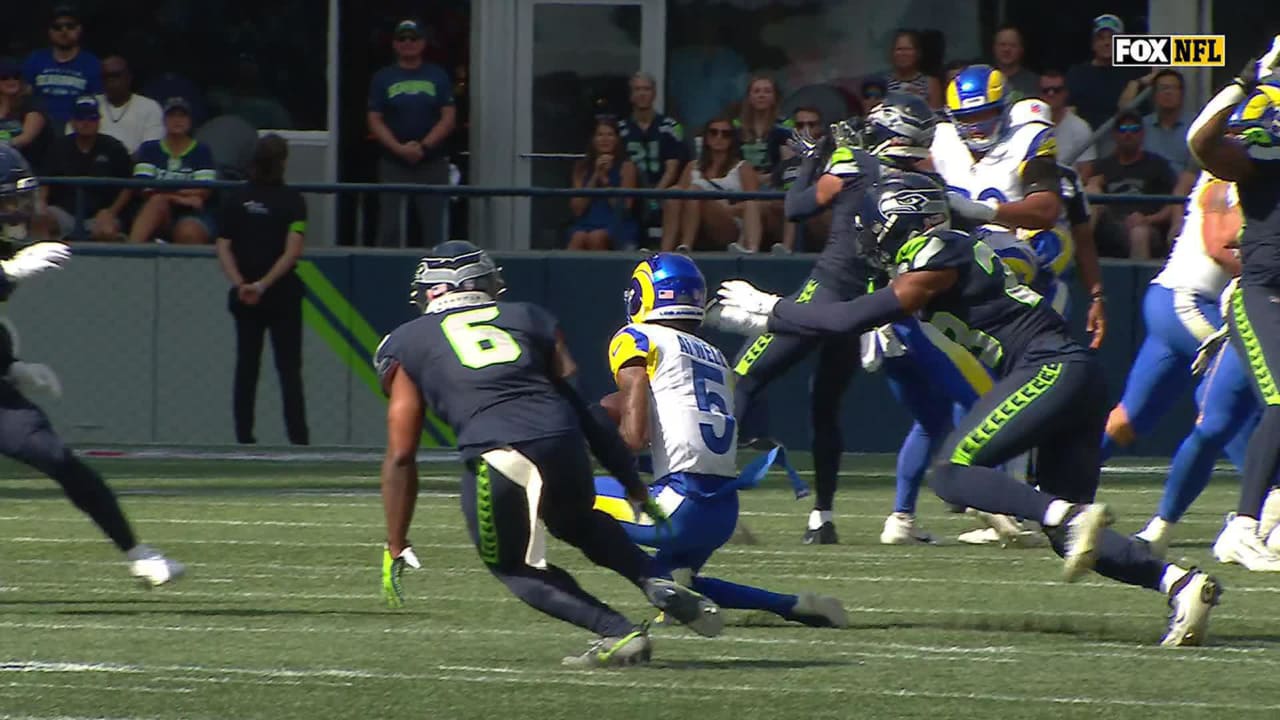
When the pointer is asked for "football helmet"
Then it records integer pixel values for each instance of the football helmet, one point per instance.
(455, 266)
(976, 101)
(17, 199)
(1256, 121)
(901, 127)
(899, 208)
(666, 286)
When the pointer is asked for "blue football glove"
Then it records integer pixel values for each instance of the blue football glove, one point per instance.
(392, 569)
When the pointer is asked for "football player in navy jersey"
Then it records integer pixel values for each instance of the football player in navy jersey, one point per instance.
(500, 375)
(1049, 395)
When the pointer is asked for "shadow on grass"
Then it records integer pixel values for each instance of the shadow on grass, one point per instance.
(751, 663)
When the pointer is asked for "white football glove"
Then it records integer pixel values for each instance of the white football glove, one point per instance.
(745, 296)
(735, 320)
(982, 211)
(35, 378)
(1208, 350)
(34, 259)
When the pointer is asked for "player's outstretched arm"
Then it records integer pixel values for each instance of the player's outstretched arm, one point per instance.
(400, 464)
(605, 442)
(907, 294)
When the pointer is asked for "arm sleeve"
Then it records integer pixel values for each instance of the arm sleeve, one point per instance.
(386, 359)
(879, 308)
(298, 216)
(144, 166)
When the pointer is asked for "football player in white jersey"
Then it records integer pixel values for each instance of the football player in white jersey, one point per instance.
(675, 399)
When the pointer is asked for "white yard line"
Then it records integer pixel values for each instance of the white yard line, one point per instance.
(467, 673)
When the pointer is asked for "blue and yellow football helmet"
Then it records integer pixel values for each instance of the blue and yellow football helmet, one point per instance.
(1256, 121)
(666, 286)
(971, 99)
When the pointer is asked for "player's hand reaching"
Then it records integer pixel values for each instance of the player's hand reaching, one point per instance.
(35, 259)
(1260, 68)
(1209, 349)
(35, 378)
(745, 296)
(392, 569)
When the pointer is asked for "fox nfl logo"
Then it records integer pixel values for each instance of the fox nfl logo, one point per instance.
(1169, 50)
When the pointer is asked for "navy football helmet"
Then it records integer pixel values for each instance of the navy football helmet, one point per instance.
(900, 207)
(900, 129)
(17, 199)
(455, 266)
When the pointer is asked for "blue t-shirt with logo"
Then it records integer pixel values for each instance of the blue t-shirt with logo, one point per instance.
(411, 101)
(60, 83)
(155, 160)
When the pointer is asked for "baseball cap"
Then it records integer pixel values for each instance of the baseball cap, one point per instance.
(10, 67)
(1108, 22)
(1128, 116)
(177, 103)
(86, 108)
(62, 10)
(408, 26)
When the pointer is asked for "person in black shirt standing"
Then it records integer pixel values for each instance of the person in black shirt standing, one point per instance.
(262, 229)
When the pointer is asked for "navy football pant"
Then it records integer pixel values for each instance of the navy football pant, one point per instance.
(768, 356)
(506, 493)
(1060, 410)
(1255, 330)
(27, 436)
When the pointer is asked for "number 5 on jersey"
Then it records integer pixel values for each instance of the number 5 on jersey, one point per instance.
(710, 391)
(478, 345)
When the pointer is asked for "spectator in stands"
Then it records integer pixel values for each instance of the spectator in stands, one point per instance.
(1096, 85)
(411, 115)
(1007, 49)
(714, 223)
(905, 74)
(655, 143)
(1134, 230)
(87, 153)
(1072, 132)
(126, 116)
(22, 123)
(761, 132)
(262, 227)
(806, 120)
(63, 71)
(1166, 128)
(871, 93)
(603, 223)
(180, 215)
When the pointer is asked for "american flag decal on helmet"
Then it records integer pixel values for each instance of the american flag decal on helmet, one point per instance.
(666, 295)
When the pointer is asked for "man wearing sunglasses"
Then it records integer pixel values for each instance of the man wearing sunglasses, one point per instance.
(411, 115)
(1072, 132)
(63, 71)
(127, 116)
(1133, 230)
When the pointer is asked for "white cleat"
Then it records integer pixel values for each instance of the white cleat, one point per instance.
(1002, 530)
(901, 529)
(819, 611)
(152, 568)
(1239, 543)
(1270, 518)
(1190, 601)
(1085, 524)
(1157, 535)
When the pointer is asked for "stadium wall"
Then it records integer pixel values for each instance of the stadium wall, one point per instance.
(143, 342)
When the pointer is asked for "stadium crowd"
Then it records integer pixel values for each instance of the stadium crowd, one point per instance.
(74, 114)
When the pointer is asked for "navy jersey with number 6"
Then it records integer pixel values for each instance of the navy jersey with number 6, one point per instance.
(485, 369)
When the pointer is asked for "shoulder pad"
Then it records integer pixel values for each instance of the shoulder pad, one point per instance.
(1042, 144)
(630, 343)
(934, 250)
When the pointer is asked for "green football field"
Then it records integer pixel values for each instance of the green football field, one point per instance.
(280, 615)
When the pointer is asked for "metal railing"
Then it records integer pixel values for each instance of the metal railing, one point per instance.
(80, 184)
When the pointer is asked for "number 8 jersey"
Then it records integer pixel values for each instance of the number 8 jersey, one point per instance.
(691, 423)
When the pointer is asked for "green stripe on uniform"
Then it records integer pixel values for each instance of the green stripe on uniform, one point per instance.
(1253, 350)
(1015, 403)
(485, 523)
(761, 343)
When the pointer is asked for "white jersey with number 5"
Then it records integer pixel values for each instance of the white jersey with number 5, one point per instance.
(1189, 266)
(691, 423)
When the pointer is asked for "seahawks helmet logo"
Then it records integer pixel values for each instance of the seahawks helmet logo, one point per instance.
(912, 202)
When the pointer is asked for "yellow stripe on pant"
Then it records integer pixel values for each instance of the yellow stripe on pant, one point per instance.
(1008, 409)
(1253, 350)
(761, 343)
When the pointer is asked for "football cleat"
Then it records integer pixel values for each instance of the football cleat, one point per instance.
(900, 529)
(1239, 543)
(819, 611)
(152, 568)
(1002, 530)
(824, 534)
(1084, 525)
(1190, 601)
(634, 648)
(1156, 535)
(691, 609)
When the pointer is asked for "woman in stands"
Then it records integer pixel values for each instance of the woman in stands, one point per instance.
(905, 75)
(761, 129)
(715, 224)
(603, 223)
(21, 122)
